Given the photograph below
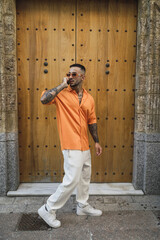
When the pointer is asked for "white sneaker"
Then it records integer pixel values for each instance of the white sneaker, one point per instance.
(88, 210)
(49, 217)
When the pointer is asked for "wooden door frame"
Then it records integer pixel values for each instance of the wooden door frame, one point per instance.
(146, 132)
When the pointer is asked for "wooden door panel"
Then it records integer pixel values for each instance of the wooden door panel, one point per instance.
(106, 33)
(45, 33)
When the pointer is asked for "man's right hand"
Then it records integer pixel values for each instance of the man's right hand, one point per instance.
(49, 95)
(65, 84)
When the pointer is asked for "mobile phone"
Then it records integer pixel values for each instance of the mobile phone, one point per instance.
(68, 81)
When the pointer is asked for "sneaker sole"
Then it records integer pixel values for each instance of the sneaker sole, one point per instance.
(89, 214)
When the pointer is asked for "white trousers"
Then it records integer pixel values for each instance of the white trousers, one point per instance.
(77, 168)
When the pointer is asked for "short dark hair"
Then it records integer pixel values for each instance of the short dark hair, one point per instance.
(79, 65)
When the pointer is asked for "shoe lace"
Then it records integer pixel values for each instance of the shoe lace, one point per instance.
(90, 207)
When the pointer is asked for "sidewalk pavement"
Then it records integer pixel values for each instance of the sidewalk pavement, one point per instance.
(124, 218)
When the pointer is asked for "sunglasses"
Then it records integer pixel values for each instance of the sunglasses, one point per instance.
(73, 74)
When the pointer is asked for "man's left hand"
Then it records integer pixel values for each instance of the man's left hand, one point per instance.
(98, 149)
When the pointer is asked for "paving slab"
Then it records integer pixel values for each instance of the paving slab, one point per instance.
(124, 199)
(124, 218)
(146, 199)
(7, 200)
(12, 208)
(124, 225)
(29, 200)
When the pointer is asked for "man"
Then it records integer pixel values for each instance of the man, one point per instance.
(75, 111)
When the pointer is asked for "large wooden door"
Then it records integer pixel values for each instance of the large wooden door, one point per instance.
(101, 35)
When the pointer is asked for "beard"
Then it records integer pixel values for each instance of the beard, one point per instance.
(74, 84)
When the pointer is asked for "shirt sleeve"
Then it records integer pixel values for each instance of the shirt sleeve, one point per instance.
(92, 116)
(51, 102)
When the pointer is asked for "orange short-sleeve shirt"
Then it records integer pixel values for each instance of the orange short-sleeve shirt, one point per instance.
(73, 119)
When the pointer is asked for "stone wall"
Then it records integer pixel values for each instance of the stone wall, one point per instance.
(147, 98)
(9, 174)
(146, 169)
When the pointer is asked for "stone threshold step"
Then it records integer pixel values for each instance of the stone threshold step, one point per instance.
(45, 189)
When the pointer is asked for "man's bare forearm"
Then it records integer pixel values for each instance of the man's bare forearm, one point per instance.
(49, 95)
(93, 131)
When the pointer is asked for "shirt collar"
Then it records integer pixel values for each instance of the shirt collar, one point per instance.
(70, 89)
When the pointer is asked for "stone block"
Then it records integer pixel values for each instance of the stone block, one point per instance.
(143, 44)
(12, 136)
(143, 23)
(152, 169)
(153, 84)
(1, 82)
(11, 121)
(12, 165)
(1, 41)
(1, 27)
(10, 44)
(138, 163)
(144, 137)
(1, 6)
(141, 84)
(8, 83)
(9, 7)
(154, 40)
(1, 62)
(152, 123)
(155, 13)
(9, 101)
(140, 122)
(1, 102)
(139, 136)
(2, 122)
(2, 136)
(3, 168)
(153, 66)
(143, 9)
(9, 174)
(10, 64)
(1, 11)
(153, 104)
(154, 137)
(9, 24)
(140, 104)
(142, 66)
(146, 164)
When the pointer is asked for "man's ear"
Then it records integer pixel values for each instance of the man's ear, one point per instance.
(83, 77)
